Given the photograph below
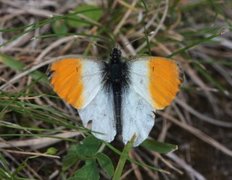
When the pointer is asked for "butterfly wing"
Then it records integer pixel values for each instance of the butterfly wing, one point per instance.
(137, 117)
(156, 79)
(79, 82)
(76, 80)
(101, 112)
(154, 83)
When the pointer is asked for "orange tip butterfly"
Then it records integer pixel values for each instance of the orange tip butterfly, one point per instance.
(118, 96)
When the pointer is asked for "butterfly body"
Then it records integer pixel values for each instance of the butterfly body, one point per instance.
(118, 96)
(116, 77)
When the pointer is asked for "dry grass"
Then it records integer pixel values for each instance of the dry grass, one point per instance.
(37, 128)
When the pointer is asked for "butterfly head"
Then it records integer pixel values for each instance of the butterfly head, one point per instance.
(115, 55)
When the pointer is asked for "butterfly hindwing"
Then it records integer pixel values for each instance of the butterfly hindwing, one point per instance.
(137, 117)
(100, 111)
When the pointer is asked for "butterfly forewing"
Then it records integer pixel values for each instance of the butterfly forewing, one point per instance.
(76, 80)
(156, 79)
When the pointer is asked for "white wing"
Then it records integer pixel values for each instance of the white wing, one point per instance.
(100, 111)
(79, 82)
(154, 82)
(137, 117)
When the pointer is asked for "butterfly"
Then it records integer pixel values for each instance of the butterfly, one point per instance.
(119, 96)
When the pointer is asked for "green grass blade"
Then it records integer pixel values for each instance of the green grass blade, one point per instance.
(159, 147)
(19, 66)
(123, 158)
(179, 51)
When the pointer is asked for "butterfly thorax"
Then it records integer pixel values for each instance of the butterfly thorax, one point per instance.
(115, 66)
(115, 71)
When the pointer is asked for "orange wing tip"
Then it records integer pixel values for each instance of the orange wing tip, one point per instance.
(67, 81)
(164, 81)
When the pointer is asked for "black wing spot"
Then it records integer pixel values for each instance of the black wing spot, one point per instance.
(50, 73)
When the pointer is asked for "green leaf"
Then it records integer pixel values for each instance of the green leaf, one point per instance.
(59, 27)
(88, 172)
(85, 150)
(89, 147)
(93, 13)
(19, 66)
(159, 146)
(106, 164)
(71, 158)
(123, 158)
(51, 151)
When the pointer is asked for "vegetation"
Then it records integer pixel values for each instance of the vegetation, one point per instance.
(41, 137)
